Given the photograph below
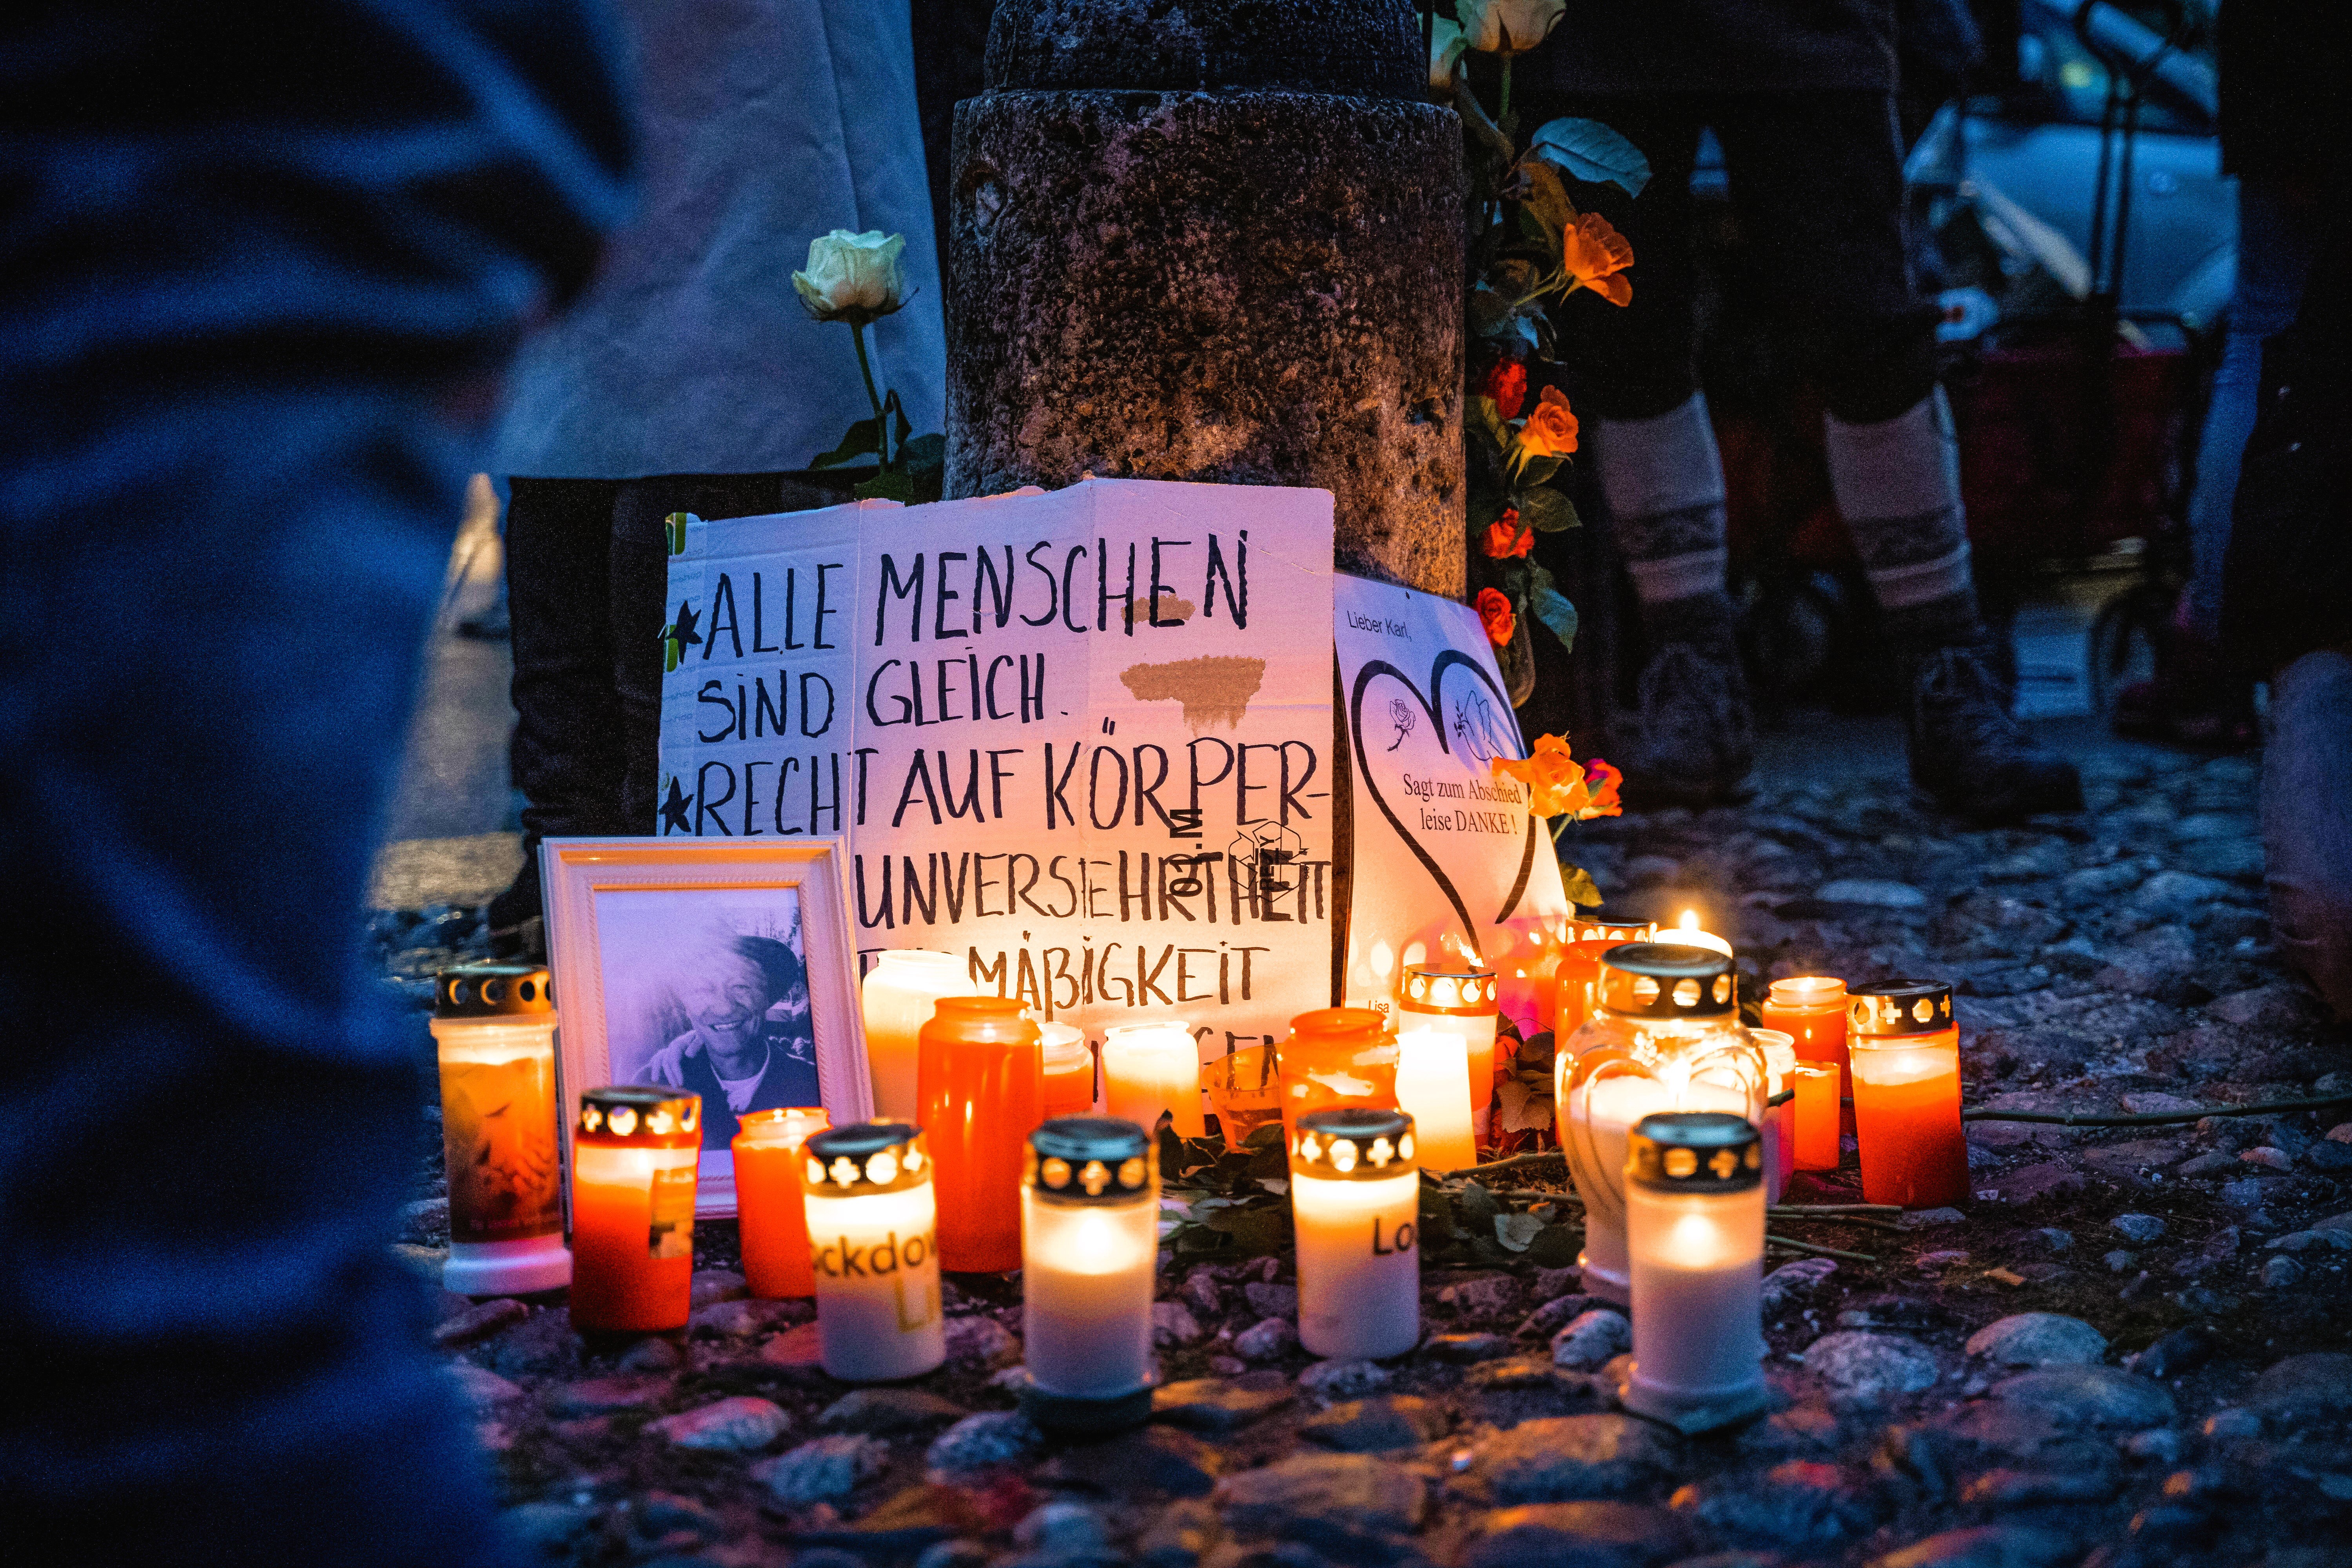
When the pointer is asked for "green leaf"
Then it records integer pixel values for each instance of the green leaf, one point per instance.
(1548, 200)
(1551, 607)
(1543, 510)
(1515, 1231)
(925, 452)
(858, 443)
(1266, 1137)
(1477, 1205)
(1475, 117)
(1578, 883)
(1515, 276)
(897, 416)
(1490, 313)
(1486, 505)
(1556, 1247)
(1486, 415)
(1536, 471)
(1436, 1214)
(887, 484)
(1592, 152)
(1255, 1231)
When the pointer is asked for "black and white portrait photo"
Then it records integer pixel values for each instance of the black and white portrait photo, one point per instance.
(707, 992)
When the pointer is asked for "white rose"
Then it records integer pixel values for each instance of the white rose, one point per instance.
(1446, 48)
(852, 278)
(1508, 27)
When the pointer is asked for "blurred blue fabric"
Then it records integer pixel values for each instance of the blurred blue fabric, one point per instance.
(259, 268)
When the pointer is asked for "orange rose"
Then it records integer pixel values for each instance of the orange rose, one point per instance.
(1494, 611)
(1555, 783)
(1505, 539)
(1593, 254)
(1506, 384)
(1550, 430)
(1603, 780)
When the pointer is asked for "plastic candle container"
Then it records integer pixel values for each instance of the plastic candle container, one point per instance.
(1150, 1068)
(1816, 1105)
(900, 992)
(1069, 1070)
(981, 1090)
(1779, 1124)
(1462, 1000)
(1355, 1202)
(1694, 1231)
(1905, 1047)
(495, 1027)
(768, 1200)
(874, 1249)
(1433, 1079)
(1089, 1238)
(1336, 1056)
(1664, 1034)
(633, 1157)
(1579, 973)
(1811, 1009)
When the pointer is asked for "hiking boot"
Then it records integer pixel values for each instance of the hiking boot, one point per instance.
(2195, 699)
(1694, 735)
(1970, 753)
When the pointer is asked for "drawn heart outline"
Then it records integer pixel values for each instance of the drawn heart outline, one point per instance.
(1445, 659)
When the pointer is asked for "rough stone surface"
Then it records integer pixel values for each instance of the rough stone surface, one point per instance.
(1571, 1458)
(1577, 1535)
(822, 1468)
(977, 1442)
(1249, 287)
(2095, 1397)
(887, 1410)
(1309, 45)
(1592, 1340)
(1370, 1425)
(1859, 1367)
(2038, 1339)
(741, 1424)
(1349, 1489)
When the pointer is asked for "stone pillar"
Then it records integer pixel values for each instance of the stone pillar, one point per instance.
(1201, 239)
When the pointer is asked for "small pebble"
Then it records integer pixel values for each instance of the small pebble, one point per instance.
(2281, 1272)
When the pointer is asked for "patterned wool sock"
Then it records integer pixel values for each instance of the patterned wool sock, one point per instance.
(1663, 481)
(1898, 485)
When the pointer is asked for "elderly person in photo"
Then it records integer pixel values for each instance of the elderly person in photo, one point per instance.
(736, 1052)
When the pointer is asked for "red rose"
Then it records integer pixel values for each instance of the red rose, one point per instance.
(1494, 611)
(1505, 537)
(1506, 384)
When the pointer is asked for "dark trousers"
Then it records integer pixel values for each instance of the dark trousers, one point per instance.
(587, 571)
(1816, 185)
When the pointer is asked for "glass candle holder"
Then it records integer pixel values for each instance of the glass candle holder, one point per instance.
(1355, 1202)
(981, 1089)
(1664, 1034)
(769, 1204)
(633, 1156)
(494, 1026)
(1811, 1009)
(873, 1224)
(1695, 1234)
(1090, 1239)
(1817, 1118)
(901, 993)
(1460, 1000)
(1779, 1124)
(1577, 976)
(1069, 1070)
(1244, 1089)
(1904, 1045)
(1336, 1056)
(1150, 1068)
(1434, 1087)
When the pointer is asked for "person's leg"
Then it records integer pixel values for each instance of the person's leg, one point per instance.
(566, 757)
(1817, 181)
(2306, 829)
(1633, 373)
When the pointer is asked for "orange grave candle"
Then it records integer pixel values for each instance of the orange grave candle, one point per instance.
(1578, 972)
(1337, 1056)
(633, 1167)
(1810, 1010)
(1817, 1116)
(981, 1091)
(1905, 1045)
(1069, 1071)
(768, 1200)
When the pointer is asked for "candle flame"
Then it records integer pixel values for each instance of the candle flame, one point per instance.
(1690, 920)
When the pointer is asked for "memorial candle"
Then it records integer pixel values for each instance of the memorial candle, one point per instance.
(1458, 999)
(1904, 1047)
(1811, 1009)
(494, 1025)
(1434, 1087)
(634, 1158)
(1151, 1067)
(1688, 934)
(1578, 975)
(901, 993)
(872, 1248)
(1069, 1070)
(1779, 1124)
(1695, 1232)
(1090, 1239)
(769, 1204)
(1817, 1118)
(1355, 1204)
(1336, 1056)
(980, 1089)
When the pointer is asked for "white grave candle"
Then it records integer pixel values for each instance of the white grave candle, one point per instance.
(902, 990)
(873, 1248)
(1694, 1231)
(1434, 1089)
(1779, 1124)
(1090, 1236)
(1151, 1067)
(1355, 1202)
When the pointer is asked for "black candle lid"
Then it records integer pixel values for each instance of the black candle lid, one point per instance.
(1664, 980)
(1092, 1159)
(1695, 1152)
(492, 991)
(1887, 1007)
(865, 1157)
(639, 1113)
(1353, 1143)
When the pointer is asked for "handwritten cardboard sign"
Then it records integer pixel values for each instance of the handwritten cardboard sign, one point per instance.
(1447, 860)
(1080, 738)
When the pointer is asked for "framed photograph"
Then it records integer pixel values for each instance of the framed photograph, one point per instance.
(718, 966)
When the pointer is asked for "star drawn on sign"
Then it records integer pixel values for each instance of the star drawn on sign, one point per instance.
(673, 810)
(681, 630)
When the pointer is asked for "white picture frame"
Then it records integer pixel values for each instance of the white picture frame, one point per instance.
(626, 918)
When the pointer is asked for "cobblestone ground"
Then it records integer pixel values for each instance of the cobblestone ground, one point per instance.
(2131, 1346)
